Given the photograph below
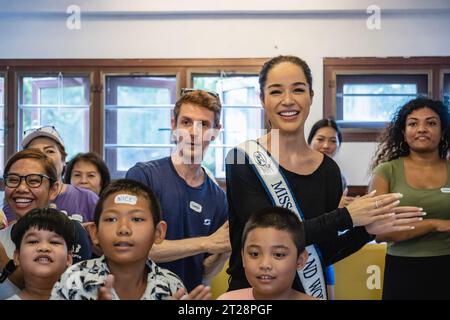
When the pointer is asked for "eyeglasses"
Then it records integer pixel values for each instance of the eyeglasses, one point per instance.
(189, 90)
(33, 180)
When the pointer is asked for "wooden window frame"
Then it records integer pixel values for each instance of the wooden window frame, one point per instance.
(98, 68)
(443, 73)
(433, 66)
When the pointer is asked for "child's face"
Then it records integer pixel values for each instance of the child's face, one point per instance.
(43, 254)
(270, 261)
(125, 230)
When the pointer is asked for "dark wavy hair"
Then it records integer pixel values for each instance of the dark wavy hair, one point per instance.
(324, 123)
(392, 144)
(270, 64)
(96, 161)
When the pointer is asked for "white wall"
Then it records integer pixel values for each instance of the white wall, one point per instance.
(213, 29)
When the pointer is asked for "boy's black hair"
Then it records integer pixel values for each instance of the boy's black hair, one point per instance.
(130, 186)
(45, 219)
(280, 219)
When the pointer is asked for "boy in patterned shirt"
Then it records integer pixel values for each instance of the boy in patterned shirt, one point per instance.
(127, 224)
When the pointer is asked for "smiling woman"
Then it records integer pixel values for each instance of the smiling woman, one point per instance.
(411, 159)
(30, 183)
(301, 179)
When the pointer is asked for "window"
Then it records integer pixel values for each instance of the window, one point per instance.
(362, 94)
(446, 89)
(60, 100)
(122, 108)
(137, 120)
(242, 116)
(371, 100)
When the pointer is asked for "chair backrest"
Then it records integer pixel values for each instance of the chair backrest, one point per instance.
(219, 284)
(360, 276)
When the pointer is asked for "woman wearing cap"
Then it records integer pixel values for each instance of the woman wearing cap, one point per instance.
(77, 202)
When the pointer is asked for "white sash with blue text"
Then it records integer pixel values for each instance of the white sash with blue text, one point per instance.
(267, 170)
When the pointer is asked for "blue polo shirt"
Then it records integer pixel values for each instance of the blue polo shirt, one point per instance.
(189, 212)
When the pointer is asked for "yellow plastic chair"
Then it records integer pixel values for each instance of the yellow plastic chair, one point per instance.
(360, 276)
(219, 284)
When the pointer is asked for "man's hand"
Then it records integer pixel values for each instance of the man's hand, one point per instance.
(219, 241)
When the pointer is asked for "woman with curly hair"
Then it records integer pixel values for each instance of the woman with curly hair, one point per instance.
(411, 159)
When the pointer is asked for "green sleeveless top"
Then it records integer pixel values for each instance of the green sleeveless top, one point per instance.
(435, 202)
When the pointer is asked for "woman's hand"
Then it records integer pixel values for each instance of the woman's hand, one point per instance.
(442, 225)
(401, 221)
(370, 208)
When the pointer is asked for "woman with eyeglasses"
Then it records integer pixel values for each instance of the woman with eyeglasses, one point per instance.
(77, 202)
(281, 169)
(31, 181)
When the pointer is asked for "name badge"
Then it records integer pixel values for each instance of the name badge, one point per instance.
(195, 206)
(77, 217)
(125, 199)
(445, 190)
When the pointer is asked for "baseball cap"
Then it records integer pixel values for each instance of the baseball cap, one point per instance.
(47, 131)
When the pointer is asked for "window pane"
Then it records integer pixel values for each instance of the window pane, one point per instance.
(446, 90)
(375, 102)
(2, 123)
(371, 99)
(57, 100)
(242, 115)
(128, 157)
(137, 120)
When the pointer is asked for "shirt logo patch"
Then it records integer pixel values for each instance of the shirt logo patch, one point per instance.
(195, 206)
(207, 222)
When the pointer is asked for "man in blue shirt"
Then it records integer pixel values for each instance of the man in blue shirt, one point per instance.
(195, 208)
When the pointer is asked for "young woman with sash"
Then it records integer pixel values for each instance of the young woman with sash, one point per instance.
(281, 169)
